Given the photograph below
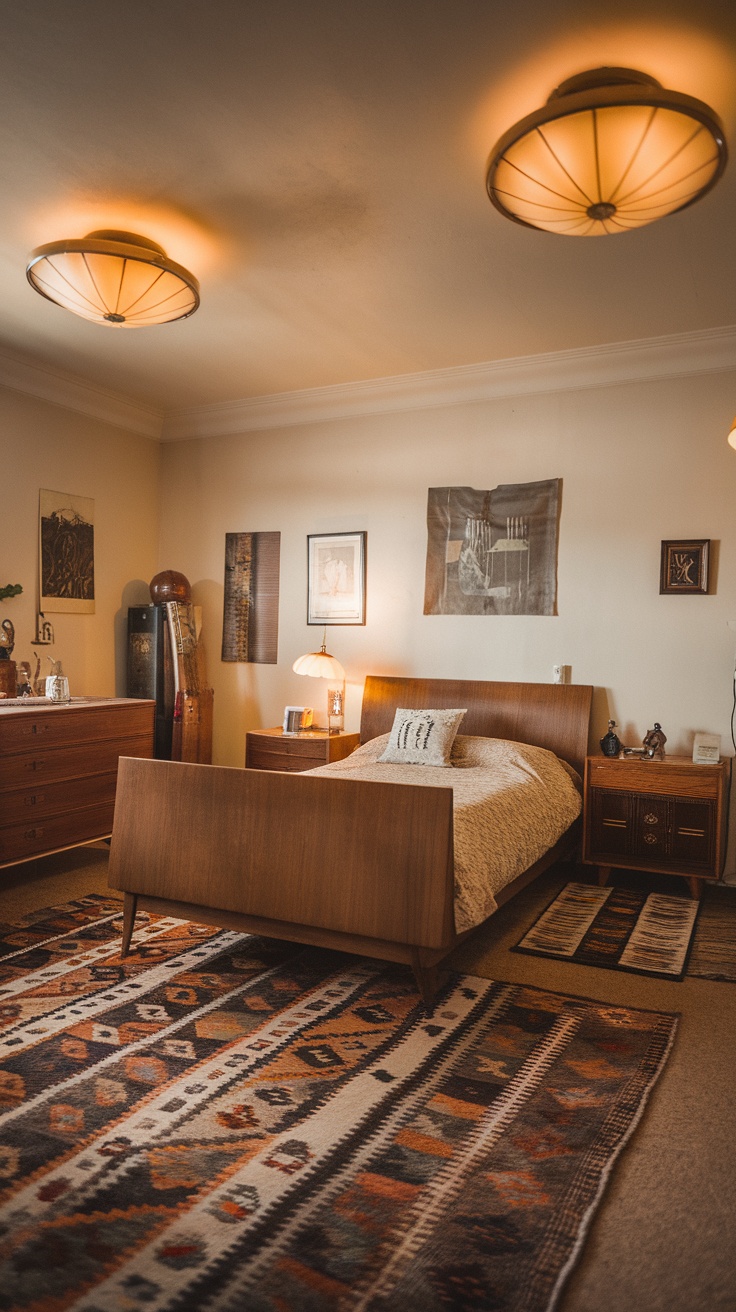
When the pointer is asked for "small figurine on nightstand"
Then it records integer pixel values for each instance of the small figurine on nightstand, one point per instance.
(653, 749)
(610, 742)
(654, 743)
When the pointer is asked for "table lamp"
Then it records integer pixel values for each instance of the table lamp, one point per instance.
(321, 665)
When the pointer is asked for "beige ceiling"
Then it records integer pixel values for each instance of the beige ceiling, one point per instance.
(320, 167)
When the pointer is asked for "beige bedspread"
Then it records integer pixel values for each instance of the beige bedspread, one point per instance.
(511, 802)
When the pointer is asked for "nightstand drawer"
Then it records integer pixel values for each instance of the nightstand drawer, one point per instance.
(272, 749)
(262, 757)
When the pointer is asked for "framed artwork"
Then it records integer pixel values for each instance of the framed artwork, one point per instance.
(493, 551)
(336, 578)
(684, 566)
(66, 531)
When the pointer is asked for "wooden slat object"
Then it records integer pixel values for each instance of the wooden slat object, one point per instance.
(555, 716)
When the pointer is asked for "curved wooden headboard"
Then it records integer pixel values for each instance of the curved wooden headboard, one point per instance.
(551, 715)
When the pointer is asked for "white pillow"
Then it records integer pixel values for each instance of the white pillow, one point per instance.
(422, 737)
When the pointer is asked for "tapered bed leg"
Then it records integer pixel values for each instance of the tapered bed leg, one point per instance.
(429, 980)
(130, 902)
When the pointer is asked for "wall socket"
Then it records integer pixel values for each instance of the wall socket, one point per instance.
(561, 673)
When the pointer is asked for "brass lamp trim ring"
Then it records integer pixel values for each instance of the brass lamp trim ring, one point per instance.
(171, 293)
(599, 200)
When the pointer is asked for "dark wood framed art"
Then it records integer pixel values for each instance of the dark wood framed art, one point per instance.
(684, 566)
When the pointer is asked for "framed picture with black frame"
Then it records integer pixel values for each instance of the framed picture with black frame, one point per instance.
(336, 573)
(684, 566)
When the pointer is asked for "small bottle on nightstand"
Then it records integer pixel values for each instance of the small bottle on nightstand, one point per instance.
(610, 742)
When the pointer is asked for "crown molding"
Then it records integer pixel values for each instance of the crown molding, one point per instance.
(73, 393)
(709, 351)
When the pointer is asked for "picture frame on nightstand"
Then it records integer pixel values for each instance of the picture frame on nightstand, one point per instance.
(684, 566)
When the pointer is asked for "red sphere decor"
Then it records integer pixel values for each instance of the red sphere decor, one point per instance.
(169, 586)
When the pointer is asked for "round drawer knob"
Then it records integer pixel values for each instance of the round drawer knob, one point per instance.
(651, 819)
(650, 838)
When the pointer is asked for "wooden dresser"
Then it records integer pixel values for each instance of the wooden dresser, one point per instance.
(58, 770)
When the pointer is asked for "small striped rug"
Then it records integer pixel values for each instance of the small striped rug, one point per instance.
(713, 954)
(620, 928)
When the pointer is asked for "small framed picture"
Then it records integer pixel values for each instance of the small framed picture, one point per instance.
(684, 566)
(336, 578)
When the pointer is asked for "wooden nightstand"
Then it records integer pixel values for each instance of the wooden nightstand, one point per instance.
(272, 749)
(667, 816)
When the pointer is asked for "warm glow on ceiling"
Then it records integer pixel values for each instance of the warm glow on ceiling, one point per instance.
(677, 56)
(184, 239)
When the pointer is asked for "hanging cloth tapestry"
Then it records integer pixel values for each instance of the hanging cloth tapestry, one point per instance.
(493, 552)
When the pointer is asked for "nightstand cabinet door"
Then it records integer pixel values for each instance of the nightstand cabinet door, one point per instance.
(693, 833)
(610, 824)
(652, 827)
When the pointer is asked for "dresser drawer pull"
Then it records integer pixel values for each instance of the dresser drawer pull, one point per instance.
(34, 833)
(651, 819)
(34, 728)
(615, 824)
(33, 798)
(650, 838)
(692, 833)
(35, 765)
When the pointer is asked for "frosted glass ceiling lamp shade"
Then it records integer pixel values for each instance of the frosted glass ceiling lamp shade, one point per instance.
(114, 278)
(612, 150)
(732, 434)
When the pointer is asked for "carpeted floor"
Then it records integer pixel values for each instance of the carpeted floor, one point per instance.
(664, 1236)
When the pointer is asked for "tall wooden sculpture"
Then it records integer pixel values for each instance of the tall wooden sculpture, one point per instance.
(193, 700)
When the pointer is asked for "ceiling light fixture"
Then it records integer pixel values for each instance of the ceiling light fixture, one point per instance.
(732, 434)
(611, 150)
(114, 278)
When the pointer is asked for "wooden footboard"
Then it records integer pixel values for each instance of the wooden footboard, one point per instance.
(320, 860)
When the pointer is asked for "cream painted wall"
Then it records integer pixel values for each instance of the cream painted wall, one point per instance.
(47, 446)
(639, 463)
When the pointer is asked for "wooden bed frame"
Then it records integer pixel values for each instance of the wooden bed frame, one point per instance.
(339, 863)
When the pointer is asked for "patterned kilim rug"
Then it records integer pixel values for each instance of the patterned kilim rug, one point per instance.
(235, 1123)
(633, 928)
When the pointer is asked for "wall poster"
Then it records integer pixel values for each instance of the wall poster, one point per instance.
(66, 552)
(493, 552)
(250, 626)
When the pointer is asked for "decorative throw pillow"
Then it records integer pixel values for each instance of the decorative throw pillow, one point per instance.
(422, 737)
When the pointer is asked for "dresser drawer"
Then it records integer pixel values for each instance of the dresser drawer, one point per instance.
(27, 806)
(69, 762)
(19, 842)
(29, 731)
